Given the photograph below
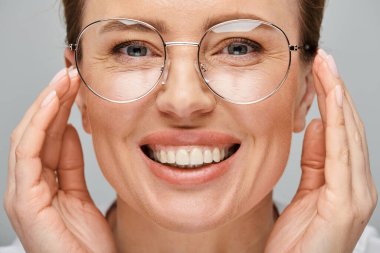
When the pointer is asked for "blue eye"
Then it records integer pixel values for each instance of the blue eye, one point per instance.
(136, 50)
(132, 49)
(239, 49)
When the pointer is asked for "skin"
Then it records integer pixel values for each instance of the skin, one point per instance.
(334, 201)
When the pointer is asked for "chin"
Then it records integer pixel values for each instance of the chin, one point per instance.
(190, 210)
(190, 220)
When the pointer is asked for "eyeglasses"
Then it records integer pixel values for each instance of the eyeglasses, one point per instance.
(242, 61)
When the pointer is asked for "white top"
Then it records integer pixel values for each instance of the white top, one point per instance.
(369, 242)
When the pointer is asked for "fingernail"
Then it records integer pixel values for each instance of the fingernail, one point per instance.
(48, 99)
(332, 65)
(322, 53)
(73, 72)
(58, 76)
(339, 95)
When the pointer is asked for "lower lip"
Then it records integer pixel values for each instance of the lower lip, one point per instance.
(189, 177)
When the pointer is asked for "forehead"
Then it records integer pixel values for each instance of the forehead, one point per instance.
(191, 17)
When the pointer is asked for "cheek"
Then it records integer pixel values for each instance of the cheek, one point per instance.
(113, 129)
(271, 118)
(268, 126)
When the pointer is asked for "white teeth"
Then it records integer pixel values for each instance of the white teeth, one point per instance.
(171, 157)
(163, 157)
(207, 156)
(181, 157)
(189, 156)
(196, 157)
(223, 153)
(157, 155)
(216, 155)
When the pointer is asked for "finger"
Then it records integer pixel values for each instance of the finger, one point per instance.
(357, 160)
(313, 158)
(321, 96)
(362, 177)
(364, 142)
(60, 84)
(28, 163)
(53, 141)
(337, 171)
(361, 130)
(71, 166)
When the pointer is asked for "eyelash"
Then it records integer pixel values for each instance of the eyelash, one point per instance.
(118, 46)
(257, 48)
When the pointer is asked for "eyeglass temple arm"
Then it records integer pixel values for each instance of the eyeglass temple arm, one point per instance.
(297, 47)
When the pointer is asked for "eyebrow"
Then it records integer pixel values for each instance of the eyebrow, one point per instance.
(162, 27)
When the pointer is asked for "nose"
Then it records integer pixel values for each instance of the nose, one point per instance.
(184, 94)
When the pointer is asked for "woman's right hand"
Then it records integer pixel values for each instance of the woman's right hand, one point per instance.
(47, 199)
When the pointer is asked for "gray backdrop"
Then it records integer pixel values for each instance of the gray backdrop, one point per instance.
(31, 52)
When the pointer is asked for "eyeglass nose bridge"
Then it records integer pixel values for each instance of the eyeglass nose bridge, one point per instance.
(165, 68)
(181, 43)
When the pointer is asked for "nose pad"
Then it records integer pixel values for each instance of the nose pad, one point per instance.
(165, 72)
(202, 68)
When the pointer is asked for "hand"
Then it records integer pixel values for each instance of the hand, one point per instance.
(47, 199)
(336, 195)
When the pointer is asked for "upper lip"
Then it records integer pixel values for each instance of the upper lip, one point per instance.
(188, 138)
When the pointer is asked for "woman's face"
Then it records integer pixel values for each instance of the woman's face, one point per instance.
(183, 115)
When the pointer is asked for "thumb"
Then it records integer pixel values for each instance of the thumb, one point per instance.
(71, 166)
(313, 158)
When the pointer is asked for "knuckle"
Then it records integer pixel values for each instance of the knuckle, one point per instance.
(20, 152)
(344, 154)
(54, 135)
(362, 213)
(340, 122)
(311, 164)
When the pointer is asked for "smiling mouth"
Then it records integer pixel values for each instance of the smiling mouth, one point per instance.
(189, 157)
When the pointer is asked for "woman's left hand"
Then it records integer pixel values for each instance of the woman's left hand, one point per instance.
(336, 195)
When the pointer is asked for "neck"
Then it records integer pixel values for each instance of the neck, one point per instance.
(248, 233)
